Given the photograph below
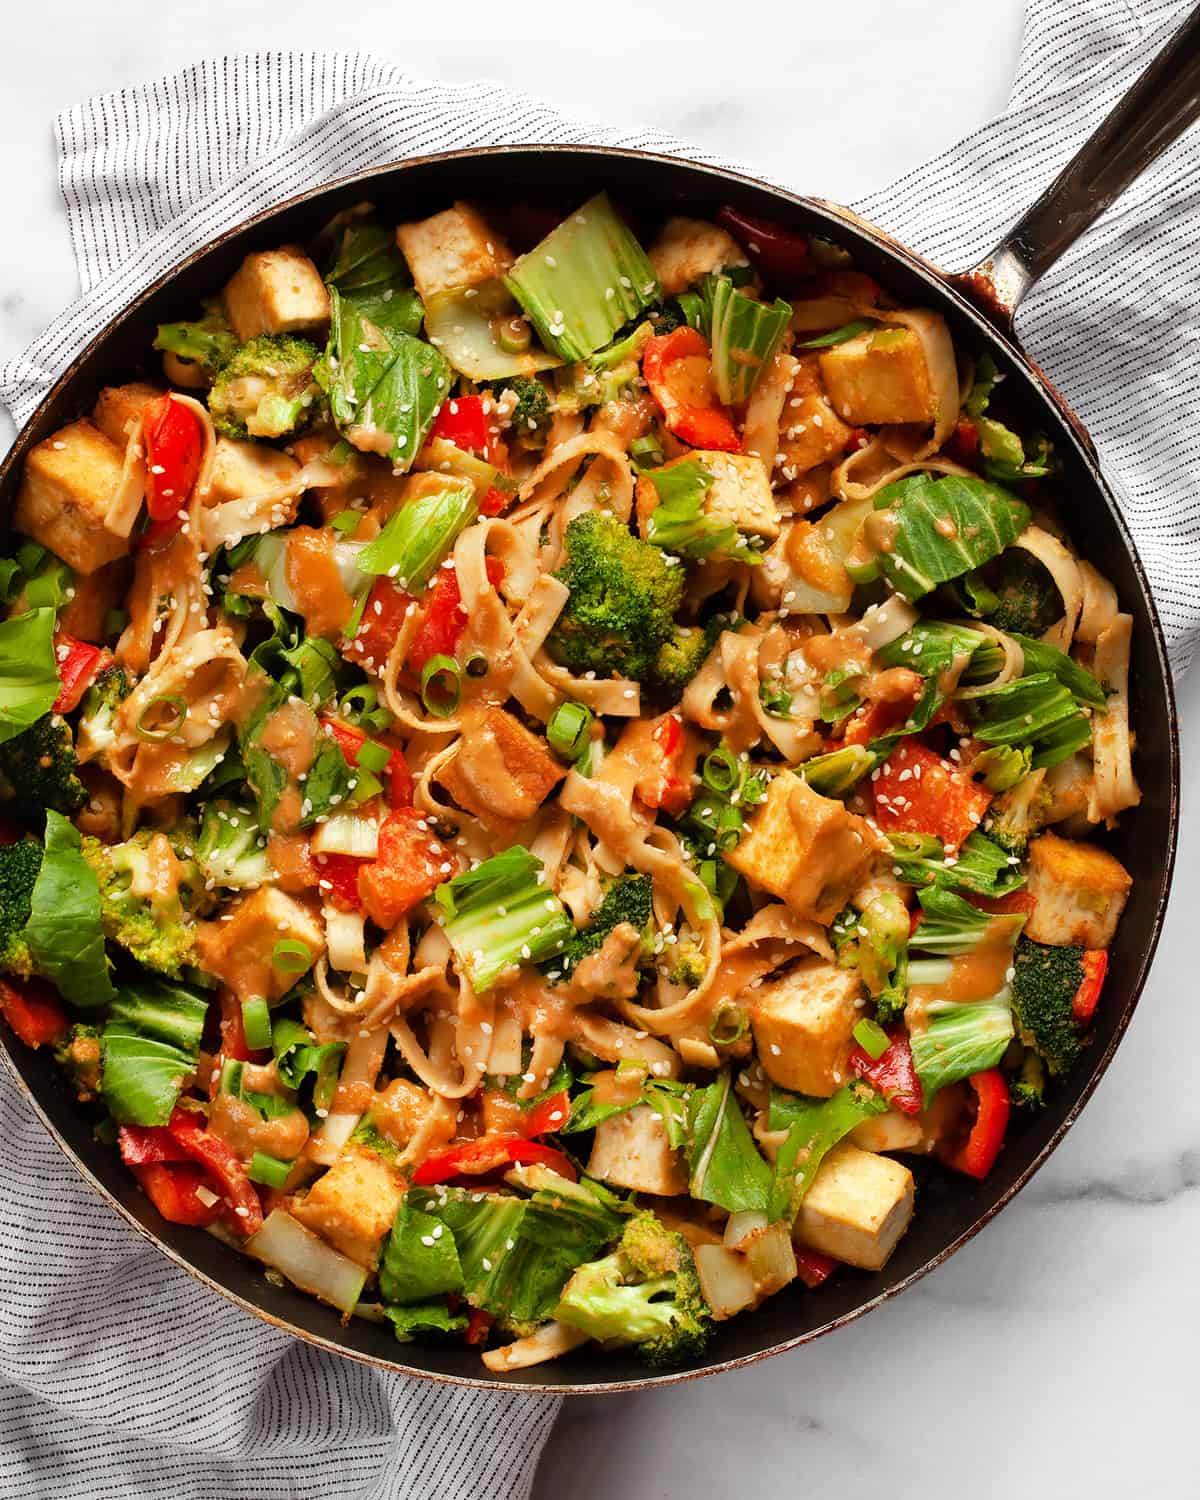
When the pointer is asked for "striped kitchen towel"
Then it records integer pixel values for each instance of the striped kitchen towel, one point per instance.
(119, 1375)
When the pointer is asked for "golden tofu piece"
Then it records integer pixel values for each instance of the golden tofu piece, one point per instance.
(68, 482)
(803, 1025)
(740, 493)
(500, 773)
(456, 248)
(857, 1208)
(810, 434)
(86, 613)
(687, 249)
(1079, 893)
(631, 1150)
(808, 850)
(354, 1205)
(119, 405)
(880, 377)
(890, 1132)
(238, 949)
(243, 469)
(276, 291)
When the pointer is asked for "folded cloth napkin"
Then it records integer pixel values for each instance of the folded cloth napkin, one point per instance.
(120, 1375)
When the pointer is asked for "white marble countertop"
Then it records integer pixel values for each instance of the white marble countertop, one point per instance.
(1054, 1352)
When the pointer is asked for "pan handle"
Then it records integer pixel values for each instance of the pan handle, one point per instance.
(1160, 106)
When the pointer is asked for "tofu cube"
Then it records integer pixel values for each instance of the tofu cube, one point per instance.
(237, 950)
(803, 1024)
(119, 405)
(631, 1150)
(890, 1132)
(242, 469)
(1079, 893)
(276, 291)
(687, 249)
(879, 377)
(453, 249)
(740, 493)
(353, 1205)
(808, 850)
(68, 482)
(857, 1208)
(493, 742)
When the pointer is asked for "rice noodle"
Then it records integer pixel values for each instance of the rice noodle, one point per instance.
(871, 468)
(1099, 606)
(760, 434)
(1063, 567)
(1113, 785)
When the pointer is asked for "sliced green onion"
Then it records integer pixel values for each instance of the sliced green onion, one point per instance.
(646, 452)
(372, 757)
(477, 665)
(346, 520)
(729, 829)
(31, 555)
(361, 706)
(174, 701)
(268, 1170)
(115, 621)
(872, 1038)
(722, 771)
(256, 1023)
(291, 956)
(727, 1026)
(837, 336)
(441, 686)
(569, 730)
(231, 1077)
(513, 334)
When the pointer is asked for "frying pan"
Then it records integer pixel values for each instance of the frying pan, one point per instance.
(978, 307)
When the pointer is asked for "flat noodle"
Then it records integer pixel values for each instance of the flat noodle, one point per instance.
(760, 435)
(1113, 785)
(862, 474)
(1099, 604)
(126, 503)
(226, 524)
(1063, 567)
(170, 572)
(1012, 666)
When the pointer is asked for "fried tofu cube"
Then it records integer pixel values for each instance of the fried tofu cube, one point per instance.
(808, 850)
(85, 614)
(857, 1208)
(242, 469)
(276, 291)
(740, 493)
(68, 482)
(453, 249)
(890, 1132)
(631, 1150)
(353, 1205)
(803, 1024)
(500, 773)
(687, 249)
(814, 434)
(119, 405)
(1079, 893)
(238, 949)
(879, 377)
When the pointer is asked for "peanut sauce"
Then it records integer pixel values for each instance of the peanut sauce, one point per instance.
(313, 576)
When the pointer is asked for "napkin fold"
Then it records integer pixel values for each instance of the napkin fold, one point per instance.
(120, 1376)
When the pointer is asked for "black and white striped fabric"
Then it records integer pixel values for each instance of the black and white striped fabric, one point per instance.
(119, 1375)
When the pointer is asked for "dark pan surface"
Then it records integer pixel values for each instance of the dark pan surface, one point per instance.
(950, 1210)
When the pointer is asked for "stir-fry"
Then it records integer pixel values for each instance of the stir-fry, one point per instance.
(539, 771)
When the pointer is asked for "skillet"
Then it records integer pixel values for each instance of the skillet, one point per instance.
(978, 306)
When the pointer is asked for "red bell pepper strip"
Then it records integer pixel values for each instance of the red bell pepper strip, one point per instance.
(1003, 906)
(488, 1154)
(171, 1187)
(223, 1165)
(407, 868)
(34, 1011)
(964, 440)
(662, 786)
(873, 720)
(382, 620)
(813, 1266)
(547, 1117)
(894, 1074)
(678, 369)
(174, 443)
(1087, 996)
(982, 1146)
(444, 621)
(463, 421)
(916, 791)
(780, 254)
(78, 662)
(337, 877)
(143, 1144)
(350, 742)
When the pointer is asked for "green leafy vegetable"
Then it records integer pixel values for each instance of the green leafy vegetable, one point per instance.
(64, 934)
(417, 537)
(980, 866)
(502, 913)
(680, 524)
(371, 274)
(1037, 711)
(837, 335)
(814, 1127)
(151, 1044)
(959, 1040)
(29, 681)
(744, 335)
(420, 1261)
(938, 529)
(726, 1167)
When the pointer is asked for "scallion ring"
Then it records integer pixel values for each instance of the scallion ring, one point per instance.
(727, 1026)
(173, 701)
(872, 1038)
(441, 686)
(256, 1023)
(722, 771)
(513, 334)
(477, 665)
(291, 956)
(269, 1170)
(569, 730)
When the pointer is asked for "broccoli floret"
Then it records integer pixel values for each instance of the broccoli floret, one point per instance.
(1029, 1086)
(231, 850)
(39, 768)
(206, 343)
(146, 894)
(94, 734)
(1043, 989)
(645, 1293)
(682, 655)
(81, 1055)
(1016, 815)
(689, 967)
(265, 389)
(628, 899)
(19, 866)
(872, 940)
(530, 417)
(622, 605)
